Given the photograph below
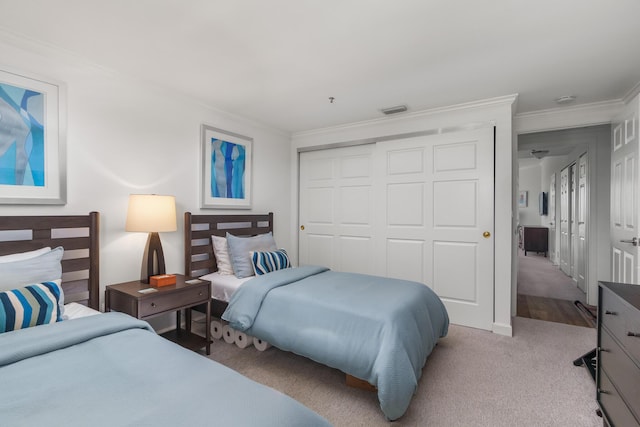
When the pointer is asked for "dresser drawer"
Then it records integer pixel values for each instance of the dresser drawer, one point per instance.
(612, 404)
(160, 303)
(621, 370)
(620, 320)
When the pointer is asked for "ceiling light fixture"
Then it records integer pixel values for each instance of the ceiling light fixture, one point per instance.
(566, 99)
(538, 154)
(394, 110)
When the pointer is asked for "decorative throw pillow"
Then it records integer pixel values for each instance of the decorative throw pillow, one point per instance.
(33, 305)
(221, 252)
(266, 262)
(239, 248)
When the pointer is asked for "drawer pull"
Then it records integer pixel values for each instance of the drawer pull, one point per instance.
(633, 334)
(153, 304)
(603, 350)
(613, 313)
(601, 391)
(200, 294)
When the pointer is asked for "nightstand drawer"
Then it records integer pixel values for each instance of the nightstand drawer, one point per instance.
(161, 303)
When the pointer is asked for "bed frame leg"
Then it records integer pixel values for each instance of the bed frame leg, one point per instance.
(358, 383)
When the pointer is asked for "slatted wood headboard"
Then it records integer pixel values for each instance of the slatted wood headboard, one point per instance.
(198, 251)
(77, 234)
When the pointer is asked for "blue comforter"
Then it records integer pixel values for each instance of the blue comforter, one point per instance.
(377, 329)
(110, 370)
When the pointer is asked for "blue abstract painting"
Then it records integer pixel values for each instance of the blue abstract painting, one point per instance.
(228, 165)
(22, 151)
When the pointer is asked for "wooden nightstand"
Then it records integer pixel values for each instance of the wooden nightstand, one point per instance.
(127, 298)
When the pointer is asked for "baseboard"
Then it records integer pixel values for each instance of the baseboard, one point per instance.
(502, 329)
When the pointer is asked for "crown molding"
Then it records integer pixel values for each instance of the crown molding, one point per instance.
(596, 113)
(490, 102)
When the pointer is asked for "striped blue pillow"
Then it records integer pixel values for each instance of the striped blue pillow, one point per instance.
(266, 262)
(32, 305)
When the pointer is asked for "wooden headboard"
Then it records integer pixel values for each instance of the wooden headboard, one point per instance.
(77, 234)
(198, 250)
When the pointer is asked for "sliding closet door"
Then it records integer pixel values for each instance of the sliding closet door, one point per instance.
(419, 209)
(436, 218)
(337, 209)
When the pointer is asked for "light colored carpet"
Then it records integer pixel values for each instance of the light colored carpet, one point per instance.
(537, 276)
(472, 378)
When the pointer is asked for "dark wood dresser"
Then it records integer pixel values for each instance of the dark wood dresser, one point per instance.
(535, 239)
(618, 367)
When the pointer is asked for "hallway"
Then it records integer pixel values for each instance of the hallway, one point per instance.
(546, 293)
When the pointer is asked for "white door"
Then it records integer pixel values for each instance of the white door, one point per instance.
(410, 208)
(565, 252)
(573, 220)
(553, 253)
(337, 209)
(583, 189)
(624, 196)
(436, 224)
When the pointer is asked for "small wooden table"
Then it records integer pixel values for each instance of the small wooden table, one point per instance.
(127, 298)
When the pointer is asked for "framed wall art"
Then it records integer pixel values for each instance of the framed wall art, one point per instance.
(226, 169)
(32, 140)
(523, 199)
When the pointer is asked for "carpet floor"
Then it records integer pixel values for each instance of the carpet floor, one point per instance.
(472, 378)
(537, 276)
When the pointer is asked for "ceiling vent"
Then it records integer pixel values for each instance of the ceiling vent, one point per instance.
(566, 99)
(394, 110)
(538, 154)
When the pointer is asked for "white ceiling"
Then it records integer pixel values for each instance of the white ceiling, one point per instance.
(279, 61)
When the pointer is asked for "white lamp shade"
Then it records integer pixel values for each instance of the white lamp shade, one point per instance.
(151, 213)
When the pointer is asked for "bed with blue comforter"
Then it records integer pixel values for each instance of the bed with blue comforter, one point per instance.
(377, 329)
(113, 370)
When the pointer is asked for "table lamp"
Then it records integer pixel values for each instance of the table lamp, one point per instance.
(153, 214)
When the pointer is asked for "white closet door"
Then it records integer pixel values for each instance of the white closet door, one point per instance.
(553, 253)
(583, 190)
(565, 248)
(436, 218)
(420, 209)
(573, 220)
(337, 209)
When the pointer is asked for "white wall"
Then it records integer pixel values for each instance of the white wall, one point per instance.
(530, 181)
(498, 111)
(126, 136)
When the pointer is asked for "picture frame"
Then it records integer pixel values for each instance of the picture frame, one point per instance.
(523, 199)
(226, 169)
(32, 140)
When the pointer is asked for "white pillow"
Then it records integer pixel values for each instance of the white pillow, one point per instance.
(24, 255)
(221, 251)
(239, 248)
(46, 267)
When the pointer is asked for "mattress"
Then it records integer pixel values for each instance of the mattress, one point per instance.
(223, 286)
(73, 310)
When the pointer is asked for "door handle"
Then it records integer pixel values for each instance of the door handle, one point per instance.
(633, 241)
